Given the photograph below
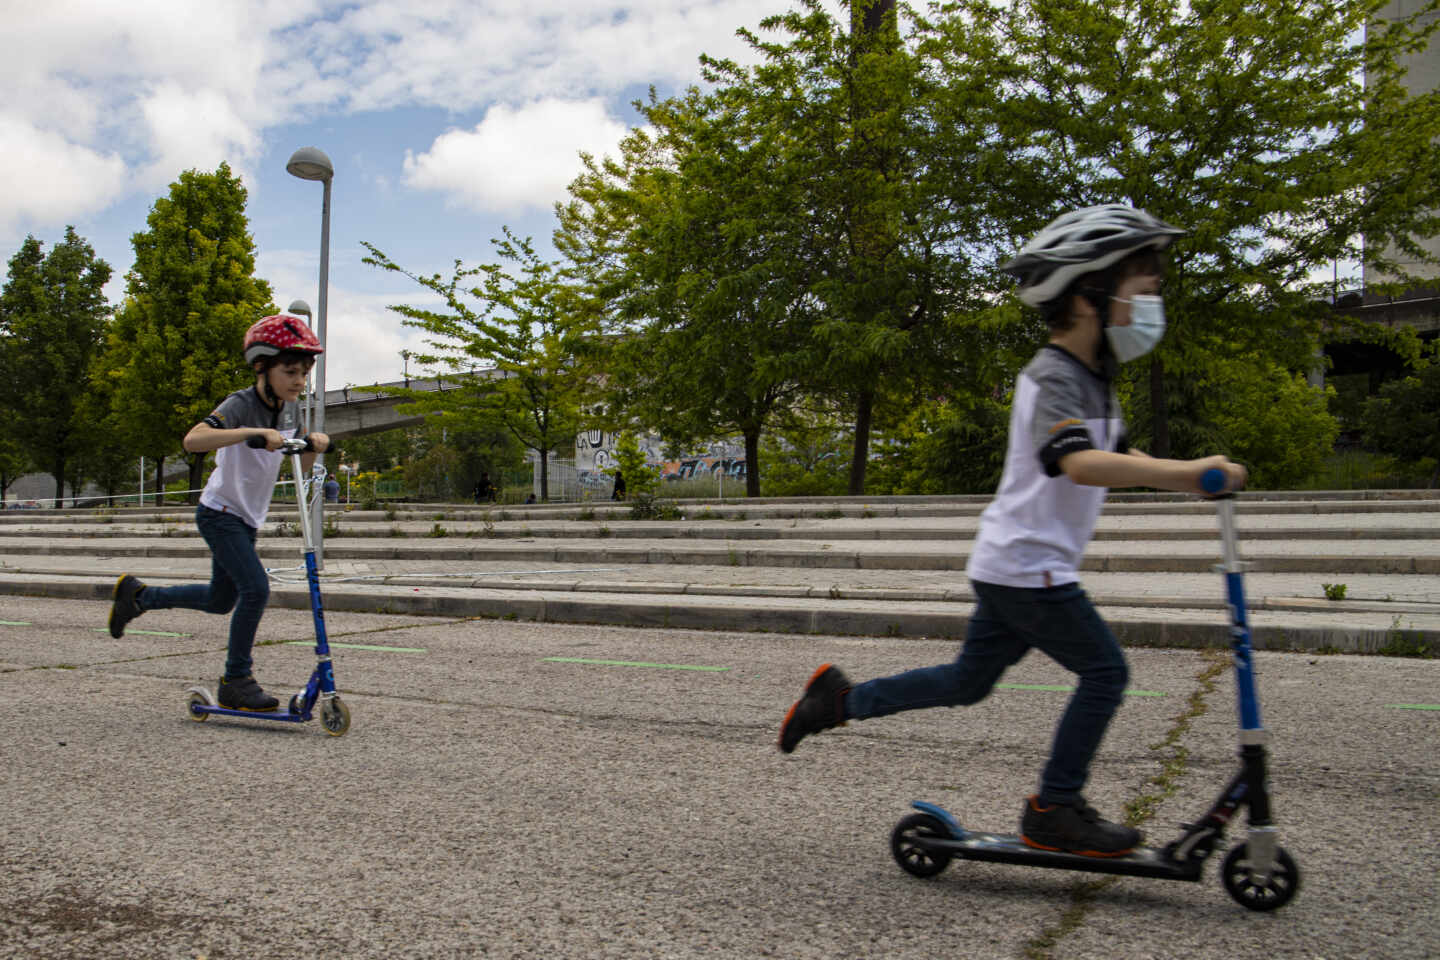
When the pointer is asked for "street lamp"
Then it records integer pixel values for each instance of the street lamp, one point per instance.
(310, 163)
(300, 308)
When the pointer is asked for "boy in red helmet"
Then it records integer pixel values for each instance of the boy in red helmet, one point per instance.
(280, 349)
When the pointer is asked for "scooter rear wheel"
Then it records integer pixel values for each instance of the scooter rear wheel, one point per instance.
(197, 699)
(914, 858)
(334, 716)
(1282, 885)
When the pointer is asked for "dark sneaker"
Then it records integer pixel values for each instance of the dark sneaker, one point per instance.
(124, 604)
(819, 708)
(245, 694)
(1074, 829)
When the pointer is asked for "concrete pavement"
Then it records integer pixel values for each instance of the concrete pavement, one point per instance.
(513, 789)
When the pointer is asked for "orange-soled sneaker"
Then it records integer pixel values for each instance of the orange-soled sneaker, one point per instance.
(244, 693)
(1074, 828)
(820, 707)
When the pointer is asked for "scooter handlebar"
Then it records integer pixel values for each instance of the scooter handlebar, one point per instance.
(293, 445)
(1212, 481)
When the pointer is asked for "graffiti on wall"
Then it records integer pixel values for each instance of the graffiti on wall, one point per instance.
(595, 458)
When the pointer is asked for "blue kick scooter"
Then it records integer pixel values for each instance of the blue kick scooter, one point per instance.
(1257, 873)
(334, 715)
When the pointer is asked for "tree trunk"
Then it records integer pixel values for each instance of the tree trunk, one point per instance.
(752, 464)
(864, 406)
(159, 481)
(1159, 410)
(544, 476)
(59, 474)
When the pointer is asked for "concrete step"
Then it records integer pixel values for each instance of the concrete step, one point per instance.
(1355, 632)
(1336, 557)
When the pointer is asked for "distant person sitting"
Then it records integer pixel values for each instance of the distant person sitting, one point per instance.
(619, 492)
(530, 498)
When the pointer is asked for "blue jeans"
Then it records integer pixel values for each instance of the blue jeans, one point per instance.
(237, 581)
(1007, 622)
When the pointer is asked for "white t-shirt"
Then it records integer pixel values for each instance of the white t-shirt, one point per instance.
(1034, 533)
(244, 477)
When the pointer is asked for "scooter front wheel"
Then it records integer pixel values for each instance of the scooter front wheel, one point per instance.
(913, 856)
(334, 716)
(1282, 885)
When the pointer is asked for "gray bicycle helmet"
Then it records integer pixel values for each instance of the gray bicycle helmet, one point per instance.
(1082, 242)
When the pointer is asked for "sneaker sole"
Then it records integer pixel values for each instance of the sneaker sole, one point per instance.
(1079, 853)
(114, 596)
(785, 724)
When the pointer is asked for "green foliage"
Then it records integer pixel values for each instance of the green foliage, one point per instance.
(52, 319)
(948, 446)
(526, 327)
(1333, 591)
(435, 474)
(1272, 421)
(641, 479)
(1244, 121)
(176, 344)
(1402, 420)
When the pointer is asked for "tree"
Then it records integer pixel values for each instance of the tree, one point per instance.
(694, 244)
(898, 190)
(1404, 419)
(190, 296)
(809, 225)
(527, 324)
(52, 314)
(1278, 133)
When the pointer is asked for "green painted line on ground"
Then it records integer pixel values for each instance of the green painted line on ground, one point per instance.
(357, 646)
(1413, 706)
(635, 663)
(1057, 688)
(147, 633)
(16, 623)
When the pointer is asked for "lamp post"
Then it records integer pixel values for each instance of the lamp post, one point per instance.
(310, 163)
(302, 309)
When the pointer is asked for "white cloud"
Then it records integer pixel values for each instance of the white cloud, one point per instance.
(46, 178)
(363, 337)
(160, 85)
(515, 159)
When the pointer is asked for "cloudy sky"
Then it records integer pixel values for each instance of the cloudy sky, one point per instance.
(444, 118)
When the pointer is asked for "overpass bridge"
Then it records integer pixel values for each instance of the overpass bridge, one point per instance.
(355, 411)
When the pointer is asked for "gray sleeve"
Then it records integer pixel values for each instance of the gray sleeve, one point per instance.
(230, 414)
(1057, 425)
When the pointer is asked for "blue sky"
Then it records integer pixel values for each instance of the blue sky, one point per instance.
(445, 119)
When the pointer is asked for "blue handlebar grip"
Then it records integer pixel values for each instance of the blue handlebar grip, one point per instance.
(1212, 480)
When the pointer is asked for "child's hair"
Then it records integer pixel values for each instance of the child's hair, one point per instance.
(1098, 287)
(263, 364)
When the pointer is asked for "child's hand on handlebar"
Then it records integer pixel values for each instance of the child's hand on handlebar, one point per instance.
(274, 439)
(319, 441)
(1235, 474)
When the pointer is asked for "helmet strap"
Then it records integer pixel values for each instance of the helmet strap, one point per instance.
(267, 393)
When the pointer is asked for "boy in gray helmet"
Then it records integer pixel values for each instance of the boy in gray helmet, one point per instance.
(1095, 275)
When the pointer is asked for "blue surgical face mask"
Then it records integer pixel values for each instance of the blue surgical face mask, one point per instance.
(1146, 327)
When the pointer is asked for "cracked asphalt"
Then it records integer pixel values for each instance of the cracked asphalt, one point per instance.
(500, 795)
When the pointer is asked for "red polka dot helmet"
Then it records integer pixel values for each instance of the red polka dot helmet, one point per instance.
(279, 334)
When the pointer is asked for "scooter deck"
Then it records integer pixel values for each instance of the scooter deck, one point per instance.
(283, 716)
(1009, 848)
